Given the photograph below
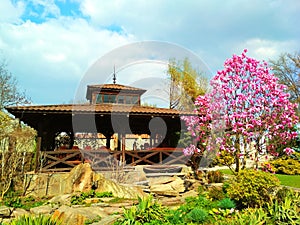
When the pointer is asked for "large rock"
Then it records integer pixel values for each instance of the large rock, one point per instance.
(43, 209)
(121, 191)
(80, 179)
(44, 184)
(61, 200)
(5, 211)
(107, 220)
(169, 186)
(19, 212)
(79, 215)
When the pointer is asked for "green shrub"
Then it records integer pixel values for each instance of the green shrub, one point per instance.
(224, 159)
(251, 188)
(216, 193)
(250, 216)
(106, 194)
(197, 202)
(286, 211)
(197, 215)
(222, 214)
(284, 192)
(91, 221)
(146, 211)
(79, 199)
(35, 220)
(215, 176)
(176, 217)
(226, 203)
(290, 166)
(26, 203)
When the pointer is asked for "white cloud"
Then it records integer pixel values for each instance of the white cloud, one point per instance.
(206, 27)
(10, 12)
(55, 53)
(263, 49)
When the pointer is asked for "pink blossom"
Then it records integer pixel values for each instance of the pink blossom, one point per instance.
(190, 150)
(245, 102)
(289, 151)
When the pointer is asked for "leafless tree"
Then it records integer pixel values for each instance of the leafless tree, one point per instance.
(9, 91)
(287, 69)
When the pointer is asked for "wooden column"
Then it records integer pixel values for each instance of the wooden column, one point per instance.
(107, 134)
(122, 142)
(37, 154)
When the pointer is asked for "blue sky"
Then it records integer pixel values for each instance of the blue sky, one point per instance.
(51, 45)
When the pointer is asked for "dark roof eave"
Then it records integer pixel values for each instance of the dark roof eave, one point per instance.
(22, 112)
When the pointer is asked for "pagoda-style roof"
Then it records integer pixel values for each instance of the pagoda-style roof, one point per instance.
(113, 88)
(95, 109)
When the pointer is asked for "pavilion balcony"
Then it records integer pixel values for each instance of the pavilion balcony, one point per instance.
(105, 159)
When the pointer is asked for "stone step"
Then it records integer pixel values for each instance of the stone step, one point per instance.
(162, 169)
(164, 174)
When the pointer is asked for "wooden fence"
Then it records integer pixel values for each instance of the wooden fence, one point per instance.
(65, 160)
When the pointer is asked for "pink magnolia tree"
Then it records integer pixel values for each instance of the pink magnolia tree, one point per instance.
(246, 105)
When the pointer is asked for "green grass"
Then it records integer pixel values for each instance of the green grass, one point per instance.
(289, 180)
(286, 180)
(226, 171)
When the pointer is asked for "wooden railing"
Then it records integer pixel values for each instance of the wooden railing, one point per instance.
(65, 160)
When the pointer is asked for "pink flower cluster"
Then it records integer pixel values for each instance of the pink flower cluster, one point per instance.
(267, 167)
(246, 104)
(190, 150)
(289, 151)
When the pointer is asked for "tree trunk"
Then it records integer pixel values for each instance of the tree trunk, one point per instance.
(237, 155)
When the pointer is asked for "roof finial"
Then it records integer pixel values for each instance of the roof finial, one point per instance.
(114, 78)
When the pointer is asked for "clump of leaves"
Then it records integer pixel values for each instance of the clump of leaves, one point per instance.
(221, 214)
(284, 192)
(286, 211)
(223, 159)
(80, 199)
(197, 215)
(117, 200)
(215, 176)
(35, 220)
(251, 188)
(146, 211)
(196, 202)
(91, 221)
(290, 166)
(176, 217)
(226, 203)
(216, 193)
(27, 202)
(255, 216)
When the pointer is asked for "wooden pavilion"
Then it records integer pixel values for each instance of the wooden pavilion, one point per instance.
(115, 115)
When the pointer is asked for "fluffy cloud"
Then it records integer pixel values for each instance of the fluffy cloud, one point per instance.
(268, 49)
(50, 44)
(10, 12)
(54, 54)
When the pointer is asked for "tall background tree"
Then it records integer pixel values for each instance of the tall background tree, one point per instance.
(287, 69)
(10, 94)
(186, 84)
(17, 141)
